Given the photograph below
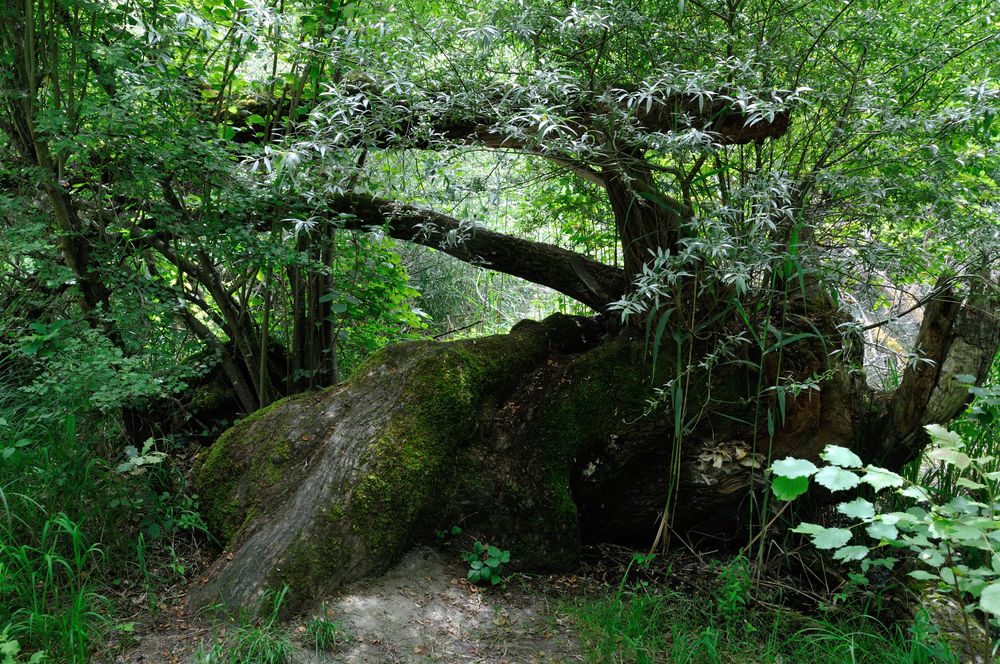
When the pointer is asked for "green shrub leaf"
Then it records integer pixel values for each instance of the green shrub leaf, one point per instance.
(856, 552)
(859, 508)
(791, 468)
(789, 488)
(880, 478)
(951, 457)
(831, 538)
(882, 531)
(989, 601)
(841, 456)
(837, 479)
(943, 437)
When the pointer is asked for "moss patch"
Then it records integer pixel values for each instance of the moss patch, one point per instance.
(246, 464)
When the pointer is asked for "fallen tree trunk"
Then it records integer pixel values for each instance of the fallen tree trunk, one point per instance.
(538, 440)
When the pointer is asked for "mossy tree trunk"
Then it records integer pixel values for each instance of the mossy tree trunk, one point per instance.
(540, 440)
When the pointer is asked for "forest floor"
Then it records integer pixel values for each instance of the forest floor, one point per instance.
(422, 610)
(686, 606)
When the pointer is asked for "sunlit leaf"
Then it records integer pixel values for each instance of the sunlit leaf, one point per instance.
(841, 456)
(792, 468)
(837, 479)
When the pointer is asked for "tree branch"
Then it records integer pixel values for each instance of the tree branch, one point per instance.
(588, 281)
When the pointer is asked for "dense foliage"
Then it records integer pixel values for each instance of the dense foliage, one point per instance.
(203, 205)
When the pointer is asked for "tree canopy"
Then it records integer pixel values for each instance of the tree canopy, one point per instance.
(217, 161)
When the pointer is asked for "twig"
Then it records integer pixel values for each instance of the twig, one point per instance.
(457, 329)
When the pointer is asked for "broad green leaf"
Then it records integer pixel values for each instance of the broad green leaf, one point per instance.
(915, 492)
(969, 484)
(841, 456)
(789, 488)
(951, 457)
(831, 538)
(944, 437)
(859, 508)
(989, 600)
(808, 528)
(882, 531)
(966, 533)
(931, 557)
(837, 479)
(856, 552)
(880, 478)
(888, 563)
(792, 468)
(921, 575)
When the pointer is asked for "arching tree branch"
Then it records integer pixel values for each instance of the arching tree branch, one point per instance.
(588, 281)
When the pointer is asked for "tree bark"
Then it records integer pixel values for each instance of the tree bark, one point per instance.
(588, 281)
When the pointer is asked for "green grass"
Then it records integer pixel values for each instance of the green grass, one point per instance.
(70, 527)
(254, 639)
(46, 592)
(325, 635)
(663, 626)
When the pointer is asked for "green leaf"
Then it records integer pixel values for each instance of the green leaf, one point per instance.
(951, 457)
(859, 508)
(493, 563)
(831, 538)
(255, 119)
(494, 580)
(921, 575)
(841, 456)
(476, 564)
(808, 528)
(660, 327)
(837, 479)
(847, 553)
(789, 488)
(989, 600)
(915, 492)
(943, 437)
(791, 468)
(493, 551)
(505, 557)
(931, 557)
(880, 478)
(887, 563)
(969, 484)
(882, 531)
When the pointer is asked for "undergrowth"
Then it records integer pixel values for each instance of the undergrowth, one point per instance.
(654, 624)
